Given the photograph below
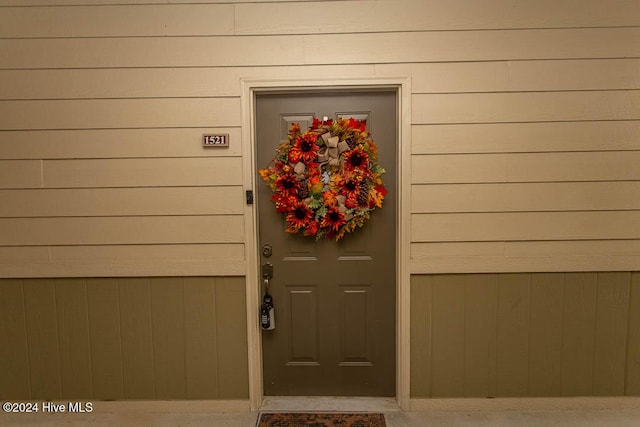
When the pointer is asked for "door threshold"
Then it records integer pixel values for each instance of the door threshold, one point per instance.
(329, 404)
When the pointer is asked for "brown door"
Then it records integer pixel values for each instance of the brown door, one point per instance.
(334, 301)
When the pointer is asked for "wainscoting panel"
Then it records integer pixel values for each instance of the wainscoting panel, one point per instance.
(123, 338)
(525, 334)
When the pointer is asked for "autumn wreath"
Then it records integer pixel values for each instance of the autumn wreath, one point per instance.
(326, 180)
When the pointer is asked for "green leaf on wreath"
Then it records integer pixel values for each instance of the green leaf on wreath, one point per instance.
(315, 203)
(321, 212)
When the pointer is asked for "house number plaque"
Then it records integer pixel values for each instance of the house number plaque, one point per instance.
(216, 140)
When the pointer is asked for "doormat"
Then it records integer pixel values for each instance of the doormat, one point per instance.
(328, 419)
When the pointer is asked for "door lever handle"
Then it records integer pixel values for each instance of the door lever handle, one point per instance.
(267, 274)
(267, 270)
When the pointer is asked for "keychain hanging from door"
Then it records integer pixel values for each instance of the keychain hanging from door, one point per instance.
(267, 312)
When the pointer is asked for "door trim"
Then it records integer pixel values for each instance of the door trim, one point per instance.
(250, 88)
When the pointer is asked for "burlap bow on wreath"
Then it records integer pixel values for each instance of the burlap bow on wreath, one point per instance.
(326, 180)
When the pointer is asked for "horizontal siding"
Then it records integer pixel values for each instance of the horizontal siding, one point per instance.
(116, 20)
(142, 172)
(134, 253)
(107, 338)
(364, 48)
(507, 76)
(20, 173)
(525, 107)
(153, 82)
(208, 259)
(120, 113)
(504, 197)
(116, 181)
(196, 19)
(526, 137)
(526, 167)
(510, 226)
(115, 143)
(122, 201)
(155, 253)
(445, 77)
(419, 15)
(121, 230)
(514, 256)
(521, 112)
(515, 335)
(119, 2)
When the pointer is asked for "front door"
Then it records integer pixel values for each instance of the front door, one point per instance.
(334, 301)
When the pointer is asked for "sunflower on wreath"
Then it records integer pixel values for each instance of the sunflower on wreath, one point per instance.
(326, 180)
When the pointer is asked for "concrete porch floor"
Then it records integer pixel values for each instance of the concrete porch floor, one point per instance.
(615, 412)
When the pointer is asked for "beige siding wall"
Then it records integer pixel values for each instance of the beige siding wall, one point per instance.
(541, 334)
(525, 144)
(127, 338)
(525, 128)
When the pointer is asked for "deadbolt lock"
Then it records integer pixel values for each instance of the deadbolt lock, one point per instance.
(267, 250)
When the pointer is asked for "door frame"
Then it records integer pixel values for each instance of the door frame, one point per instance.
(249, 89)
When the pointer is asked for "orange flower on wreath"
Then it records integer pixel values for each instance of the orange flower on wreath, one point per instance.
(356, 159)
(284, 203)
(329, 198)
(304, 149)
(349, 188)
(300, 216)
(333, 220)
(312, 228)
(287, 185)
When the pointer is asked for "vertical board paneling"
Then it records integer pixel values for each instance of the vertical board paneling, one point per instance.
(231, 326)
(105, 333)
(512, 354)
(612, 316)
(421, 321)
(42, 339)
(447, 374)
(545, 349)
(14, 353)
(201, 362)
(632, 384)
(123, 338)
(73, 337)
(525, 334)
(167, 324)
(578, 326)
(480, 318)
(137, 339)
